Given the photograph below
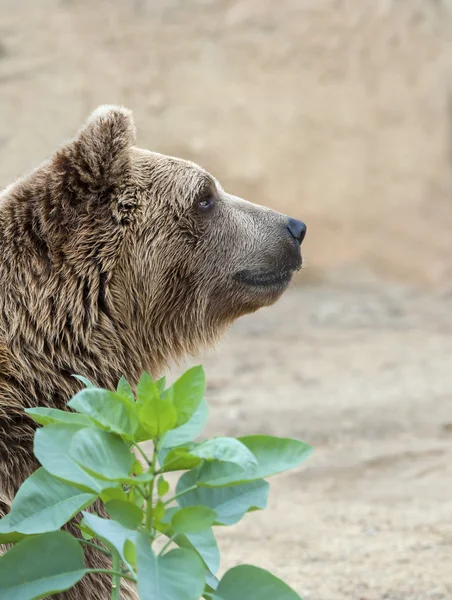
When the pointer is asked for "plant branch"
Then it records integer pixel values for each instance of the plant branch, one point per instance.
(94, 546)
(143, 493)
(110, 572)
(116, 579)
(168, 544)
(143, 453)
(189, 489)
(149, 507)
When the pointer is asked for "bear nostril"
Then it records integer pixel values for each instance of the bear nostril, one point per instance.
(297, 229)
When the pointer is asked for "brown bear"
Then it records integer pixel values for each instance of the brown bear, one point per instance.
(115, 260)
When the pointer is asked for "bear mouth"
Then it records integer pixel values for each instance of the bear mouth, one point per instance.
(263, 279)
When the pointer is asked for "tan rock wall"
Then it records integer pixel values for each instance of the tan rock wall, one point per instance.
(338, 112)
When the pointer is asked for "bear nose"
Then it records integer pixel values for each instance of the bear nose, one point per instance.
(297, 229)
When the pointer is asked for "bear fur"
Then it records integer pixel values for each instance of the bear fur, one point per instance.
(115, 260)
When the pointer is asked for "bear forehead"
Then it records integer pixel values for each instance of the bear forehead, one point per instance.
(170, 174)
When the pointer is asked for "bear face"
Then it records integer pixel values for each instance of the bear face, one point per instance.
(205, 257)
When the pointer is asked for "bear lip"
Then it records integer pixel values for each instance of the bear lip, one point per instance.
(263, 278)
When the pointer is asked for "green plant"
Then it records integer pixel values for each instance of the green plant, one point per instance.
(90, 453)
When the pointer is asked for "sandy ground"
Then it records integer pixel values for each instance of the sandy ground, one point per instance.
(364, 376)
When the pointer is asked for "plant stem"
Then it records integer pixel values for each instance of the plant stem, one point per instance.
(116, 579)
(143, 454)
(145, 496)
(189, 489)
(149, 506)
(168, 544)
(95, 546)
(110, 572)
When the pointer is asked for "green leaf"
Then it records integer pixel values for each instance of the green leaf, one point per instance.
(136, 497)
(160, 383)
(163, 487)
(137, 468)
(108, 409)
(8, 535)
(125, 390)
(164, 524)
(130, 553)
(147, 389)
(193, 519)
(86, 382)
(205, 544)
(146, 477)
(180, 459)
(230, 503)
(211, 583)
(114, 493)
(46, 416)
(44, 503)
(87, 534)
(112, 534)
(40, 566)
(102, 454)
(156, 574)
(190, 430)
(187, 394)
(158, 511)
(157, 417)
(52, 448)
(274, 455)
(125, 513)
(248, 583)
(221, 449)
(226, 449)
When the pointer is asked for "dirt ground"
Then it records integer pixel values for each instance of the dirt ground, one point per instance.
(364, 376)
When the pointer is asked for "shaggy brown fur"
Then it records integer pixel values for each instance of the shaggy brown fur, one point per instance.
(115, 260)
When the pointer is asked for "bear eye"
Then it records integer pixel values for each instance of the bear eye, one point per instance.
(206, 202)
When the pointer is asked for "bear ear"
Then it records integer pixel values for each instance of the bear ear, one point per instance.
(102, 145)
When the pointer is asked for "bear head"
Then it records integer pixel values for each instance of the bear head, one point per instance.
(146, 245)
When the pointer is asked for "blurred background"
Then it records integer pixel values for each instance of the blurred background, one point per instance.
(338, 112)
